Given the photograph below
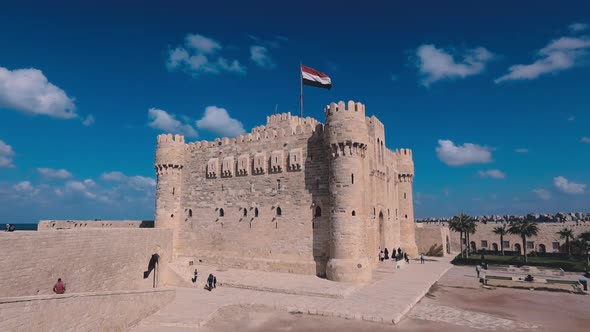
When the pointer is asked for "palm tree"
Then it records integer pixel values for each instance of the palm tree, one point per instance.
(566, 234)
(501, 231)
(470, 227)
(524, 229)
(584, 238)
(459, 224)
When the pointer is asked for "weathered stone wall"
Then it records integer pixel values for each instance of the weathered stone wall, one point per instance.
(52, 225)
(87, 261)
(433, 240)
(99, 311)
(226, 209)
(547, 236)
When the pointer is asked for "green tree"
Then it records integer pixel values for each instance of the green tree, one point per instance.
(584, 239)
(470, 227)
(567, 234)
(501, 230)
(459, 224)
(525, 229)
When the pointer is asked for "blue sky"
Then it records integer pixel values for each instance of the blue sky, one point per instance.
(493, 97)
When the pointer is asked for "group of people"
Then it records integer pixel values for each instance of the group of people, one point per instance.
(9, 228)
(211, 280)
(384, 255)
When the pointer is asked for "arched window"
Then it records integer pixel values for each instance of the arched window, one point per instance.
(352, 178)
(353, 213)
(245, 212)
(256, 212)
(221, 213)
(318, 211)
(190, 213)
(279, 211)
(404, 195)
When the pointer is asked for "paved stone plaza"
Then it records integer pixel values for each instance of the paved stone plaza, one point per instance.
(386, 299)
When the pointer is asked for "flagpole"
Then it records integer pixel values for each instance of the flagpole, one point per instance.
(301, 91)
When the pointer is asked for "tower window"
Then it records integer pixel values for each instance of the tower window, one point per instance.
(374, 212)
(173, 189)
(278, 184)
(352, 178)
(256, 212)
(190, 213)
(245, 212)
(405, 196)
(318, 211)
(279, 211)
(406, 216)
(353, 213)
(221, 213)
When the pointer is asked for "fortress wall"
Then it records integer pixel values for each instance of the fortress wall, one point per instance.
(286, 243)
(547, 235)
(52, 225)
(102, 311)
(87, 261)
(432, 240)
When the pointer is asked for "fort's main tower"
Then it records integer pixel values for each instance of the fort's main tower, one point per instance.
(346, 137)
(405, 180)
(169, 164)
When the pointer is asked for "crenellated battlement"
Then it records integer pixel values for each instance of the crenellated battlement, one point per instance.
(169, 138)
(402, 154)
(345, 109)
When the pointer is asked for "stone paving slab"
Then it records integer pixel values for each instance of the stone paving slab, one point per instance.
(386, 300)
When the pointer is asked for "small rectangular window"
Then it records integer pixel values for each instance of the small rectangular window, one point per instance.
(484, 243)
(506, 244)
(556, 245)
(530, 245)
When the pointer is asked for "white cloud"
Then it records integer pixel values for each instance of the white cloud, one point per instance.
(521, 150)
(217, 120)
(577, 27)
(468, 153)
(164, 121)
(133, 182)
(200, 55)
(78, 187)
(29, 91)
(560, 54)
(50, 173)
(583, 140)
(492, 173)
(23, 187)
(436, 64)
(6, 155)
(260, 55)
(88, 121)
(543, 194)
(565, 186)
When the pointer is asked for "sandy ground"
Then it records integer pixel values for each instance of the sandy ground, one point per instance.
(455, 303)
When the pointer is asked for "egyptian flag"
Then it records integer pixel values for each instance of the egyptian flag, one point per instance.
(315, 78)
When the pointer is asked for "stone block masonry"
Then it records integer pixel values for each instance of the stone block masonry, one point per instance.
(87, 261)
(96, 311)
(294, 195)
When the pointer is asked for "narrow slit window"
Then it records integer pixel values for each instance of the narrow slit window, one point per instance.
(221, 213)
(353, 213)
(245, 212)
(352, 178)
(256, 213)
(279, 211)
(318, 211)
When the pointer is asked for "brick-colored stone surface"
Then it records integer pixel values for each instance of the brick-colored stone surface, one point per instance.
(97, 311)
(87, 261)
(429, 239)
(222, 199)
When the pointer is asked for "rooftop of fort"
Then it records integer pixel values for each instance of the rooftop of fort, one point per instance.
(286, 125)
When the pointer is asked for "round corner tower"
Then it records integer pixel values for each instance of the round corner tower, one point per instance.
(346, 137)
(169, 164)
(405, 180)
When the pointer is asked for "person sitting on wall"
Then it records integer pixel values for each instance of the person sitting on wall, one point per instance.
(7, 227)
(59, 287)
(381, 255)
(406, 258)
(399, 252)
(11, 228)
(194, 279)
(529, 278)
(386, 253)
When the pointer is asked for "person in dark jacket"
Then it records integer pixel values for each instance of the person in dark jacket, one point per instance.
(209, 285)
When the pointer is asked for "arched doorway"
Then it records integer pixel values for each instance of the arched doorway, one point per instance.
(495, 246)
(542, 248)
(473, 248)
(517, 248)
(381, 230)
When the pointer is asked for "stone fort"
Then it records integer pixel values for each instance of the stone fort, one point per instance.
(294, 195)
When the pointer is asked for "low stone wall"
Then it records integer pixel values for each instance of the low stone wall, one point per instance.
(87, 261)
(432, 240)
(103, 311)
(53, 225)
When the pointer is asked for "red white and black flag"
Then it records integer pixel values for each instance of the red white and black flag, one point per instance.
(312, 77)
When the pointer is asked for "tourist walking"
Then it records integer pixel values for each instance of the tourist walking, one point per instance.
(386, 252)
(194, 279)
(421, 258)
(214, 282)
(381, 255)
(209, 284)
(477, 269)
(59, 287)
